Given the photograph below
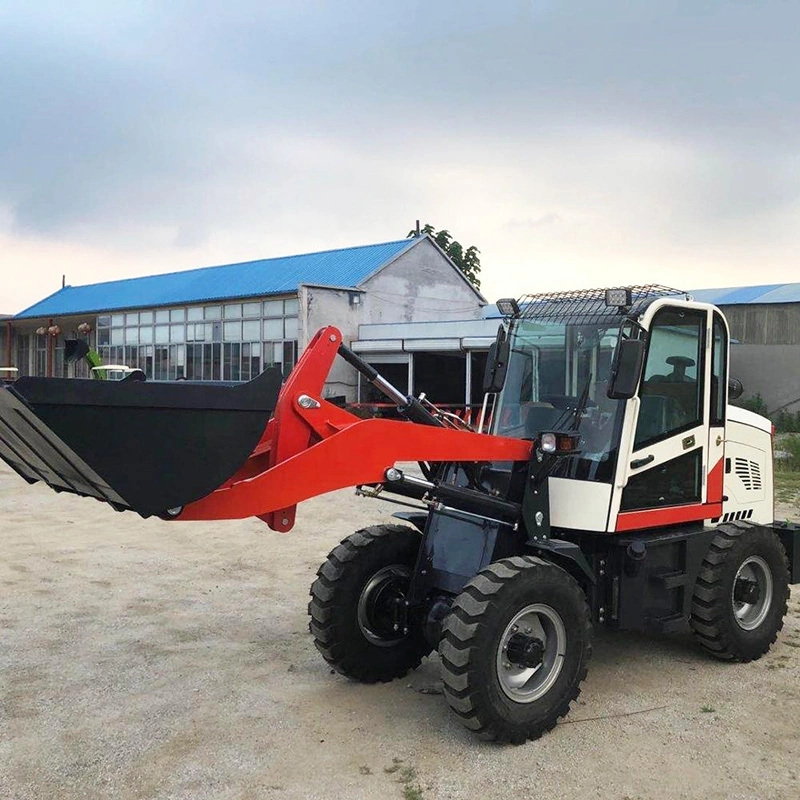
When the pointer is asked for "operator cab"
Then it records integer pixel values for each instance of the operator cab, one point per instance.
(643, 386)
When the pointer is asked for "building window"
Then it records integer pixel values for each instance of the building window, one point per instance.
(232, 342)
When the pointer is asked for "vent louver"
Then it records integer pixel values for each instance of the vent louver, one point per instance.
(749, 473)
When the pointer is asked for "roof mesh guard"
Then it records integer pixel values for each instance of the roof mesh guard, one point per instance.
(588, 306)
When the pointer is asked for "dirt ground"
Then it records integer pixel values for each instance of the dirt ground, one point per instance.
(143, 659)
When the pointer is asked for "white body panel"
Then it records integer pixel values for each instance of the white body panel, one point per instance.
(748, 453)
(579, 505)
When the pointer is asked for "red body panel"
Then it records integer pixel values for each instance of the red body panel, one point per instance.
(674, 515)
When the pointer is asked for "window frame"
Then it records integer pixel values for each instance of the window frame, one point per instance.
(721, 401)
(702, 316)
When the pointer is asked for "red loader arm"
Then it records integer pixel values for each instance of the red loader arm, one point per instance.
(311, 446)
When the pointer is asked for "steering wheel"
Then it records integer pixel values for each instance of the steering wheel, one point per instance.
(680, 361)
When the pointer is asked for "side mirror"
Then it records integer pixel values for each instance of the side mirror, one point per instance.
(735, 389)
(497, 363)
(626, 369)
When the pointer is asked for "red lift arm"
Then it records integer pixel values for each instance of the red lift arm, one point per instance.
(311, 446)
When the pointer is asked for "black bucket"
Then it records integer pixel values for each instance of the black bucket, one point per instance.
(146, 447)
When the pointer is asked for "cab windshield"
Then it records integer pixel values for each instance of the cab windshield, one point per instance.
(557, 380)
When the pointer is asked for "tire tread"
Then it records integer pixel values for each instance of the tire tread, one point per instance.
(458, 646)
(710, 606)
(326, 592)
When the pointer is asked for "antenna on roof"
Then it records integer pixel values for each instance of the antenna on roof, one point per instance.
(417, 234)
(63, 281)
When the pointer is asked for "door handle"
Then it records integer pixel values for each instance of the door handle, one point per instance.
(640, 462)
(719, 440)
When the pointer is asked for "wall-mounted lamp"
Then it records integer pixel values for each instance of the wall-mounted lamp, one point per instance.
(54, 330)
(84, 328)
(41, 331)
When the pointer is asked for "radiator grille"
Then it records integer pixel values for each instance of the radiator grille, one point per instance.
(749, 473)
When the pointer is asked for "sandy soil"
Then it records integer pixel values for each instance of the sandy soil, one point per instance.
(143, 659)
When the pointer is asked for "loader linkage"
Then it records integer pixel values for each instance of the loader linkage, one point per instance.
(194, 451)
(312, 446)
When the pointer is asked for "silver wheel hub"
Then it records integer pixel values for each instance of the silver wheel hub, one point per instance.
(751, 595)
(546, 636)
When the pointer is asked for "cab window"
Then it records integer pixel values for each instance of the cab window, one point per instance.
(719, 372)
(672, 387)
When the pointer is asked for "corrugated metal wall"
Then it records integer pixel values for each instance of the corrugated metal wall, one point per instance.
(774, 323)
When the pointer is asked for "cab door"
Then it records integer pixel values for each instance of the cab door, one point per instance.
(661, 476)
(718, 346)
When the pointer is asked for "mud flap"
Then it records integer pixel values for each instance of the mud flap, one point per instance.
(147, 447)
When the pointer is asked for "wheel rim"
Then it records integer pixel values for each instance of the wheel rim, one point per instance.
(526, 684)
(753, 571)
(376, 605)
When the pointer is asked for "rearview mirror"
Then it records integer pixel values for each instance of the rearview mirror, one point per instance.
(735, 389)
(497, 363)
(626, 369)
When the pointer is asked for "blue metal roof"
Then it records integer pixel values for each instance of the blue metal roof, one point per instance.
(739, 295)
(347, 267)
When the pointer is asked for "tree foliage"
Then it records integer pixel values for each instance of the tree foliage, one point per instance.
(468, 261)
(785, 421)
(754, 403)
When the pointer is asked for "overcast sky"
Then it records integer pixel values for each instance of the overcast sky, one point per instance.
(576, 143)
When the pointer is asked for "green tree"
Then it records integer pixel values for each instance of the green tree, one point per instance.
(468, 261)
(754, 403)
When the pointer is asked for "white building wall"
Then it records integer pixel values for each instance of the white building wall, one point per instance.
(419, 285)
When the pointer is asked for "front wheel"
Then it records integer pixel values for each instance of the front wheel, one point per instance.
(355, 616)
(515, 648)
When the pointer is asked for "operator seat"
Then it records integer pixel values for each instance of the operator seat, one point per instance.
(679, 366)
(668, 401)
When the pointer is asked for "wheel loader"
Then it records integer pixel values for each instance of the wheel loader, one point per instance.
(609, 483)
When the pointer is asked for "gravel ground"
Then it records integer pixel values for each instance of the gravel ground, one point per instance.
(143, 659)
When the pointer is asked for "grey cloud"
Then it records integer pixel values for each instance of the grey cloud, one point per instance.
(167, 122)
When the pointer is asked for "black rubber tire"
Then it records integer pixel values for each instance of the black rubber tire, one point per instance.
(471, 636)
(335, 598)
(712, 619)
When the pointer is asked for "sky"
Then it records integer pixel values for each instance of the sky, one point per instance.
(576, 144)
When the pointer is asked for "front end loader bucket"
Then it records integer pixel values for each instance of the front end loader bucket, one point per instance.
(146, 447)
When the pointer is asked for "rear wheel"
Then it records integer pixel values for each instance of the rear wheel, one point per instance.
(515, 649)
(741, 593)
(355, 608)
